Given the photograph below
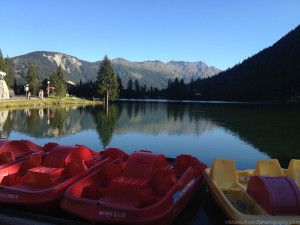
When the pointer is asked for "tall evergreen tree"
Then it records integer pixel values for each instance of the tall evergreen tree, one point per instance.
(120, 83)
(144, 91)
(107, 80)
(121, 87)
(130, 85)
(32, 79)
(129, 90)
(57, 80)
(54, 81)
(62, 88)
(137, 86)
(9, 73)
(2, 63)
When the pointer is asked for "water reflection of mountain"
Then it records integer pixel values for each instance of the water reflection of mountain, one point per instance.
(271, 129)
(169, 119)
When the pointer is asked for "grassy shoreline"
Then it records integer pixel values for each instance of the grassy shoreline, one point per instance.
(46, 102)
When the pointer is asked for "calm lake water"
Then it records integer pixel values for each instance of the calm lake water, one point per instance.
(243, 132)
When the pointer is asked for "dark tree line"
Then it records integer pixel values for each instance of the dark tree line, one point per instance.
(133, 90)
(176, 89)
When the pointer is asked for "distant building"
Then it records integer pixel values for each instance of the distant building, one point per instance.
(70, 84)
(197, 92)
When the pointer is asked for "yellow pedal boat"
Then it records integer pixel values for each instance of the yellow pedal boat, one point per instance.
(264, 195)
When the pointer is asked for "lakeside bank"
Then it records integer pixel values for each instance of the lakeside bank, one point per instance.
(23, 102)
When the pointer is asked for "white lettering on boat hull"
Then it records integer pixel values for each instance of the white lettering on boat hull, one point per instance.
(112, 214)
(9, 196)
(179, 193)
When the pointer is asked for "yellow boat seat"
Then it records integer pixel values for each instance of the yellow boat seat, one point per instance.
(268, 167)
(223, 173)
(294, 170)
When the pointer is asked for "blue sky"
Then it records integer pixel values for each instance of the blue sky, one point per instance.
(220, 33)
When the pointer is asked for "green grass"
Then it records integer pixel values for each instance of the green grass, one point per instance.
(46, 102)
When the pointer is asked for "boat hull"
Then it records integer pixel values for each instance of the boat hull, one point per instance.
(162, 214)
(163, 211)
(41, 187)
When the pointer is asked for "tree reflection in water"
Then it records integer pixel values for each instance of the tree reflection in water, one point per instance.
(106, 123)
(270, 129)
(58, 121)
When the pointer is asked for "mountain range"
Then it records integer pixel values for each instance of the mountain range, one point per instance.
(150, 73)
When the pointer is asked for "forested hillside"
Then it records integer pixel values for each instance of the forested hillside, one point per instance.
(272, 74)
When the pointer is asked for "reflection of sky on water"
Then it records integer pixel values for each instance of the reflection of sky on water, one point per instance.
(211, 144)
(214, 143)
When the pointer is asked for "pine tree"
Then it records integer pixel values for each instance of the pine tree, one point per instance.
(2, 63)
(144, 91)
(16, 87)
(137, 93)
(107, 80)
(121, 87)
(61, 88)
(9, 73)
(129, 89)
(57, 80)
(130, 85)
(32, 79)
(137, 86)
(120, 83)
(54, 81)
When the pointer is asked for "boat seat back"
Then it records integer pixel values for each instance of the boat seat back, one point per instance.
(60, 155)
(279, 196)
(114, 153)
(19, 148)
(73, 168)
(294, 171)
(142, 164)
(30, 162)
(268, 167)
(162, 180)
(223, 173)
(95, 190)
(183, 162)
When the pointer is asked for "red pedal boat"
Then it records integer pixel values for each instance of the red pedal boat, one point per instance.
(12, 152)
(147, 189)
(41, 179)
